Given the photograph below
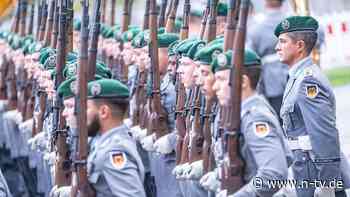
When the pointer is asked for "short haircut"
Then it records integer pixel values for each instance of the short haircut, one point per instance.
(118, 106)
(309, 38)
(253, 72)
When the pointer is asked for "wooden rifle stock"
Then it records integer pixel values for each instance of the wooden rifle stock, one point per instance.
(95, 31)
(70, 16)
(170, 24)
(180, 118)
(112, 13)
(50, 21)
(232, 170)
(62, 167)
(38, 19)
(43, 22)
(23, 18)
(124, 28)
(204, 20)
(80, 184)
(211, 26)
(31, 19)
(16, 18)
(231, 22)
(186, 17)
(3, 74)
(208, 164)
(145, 24)
(163, 6)
(11, 86)
(158, 118)
(55, 27)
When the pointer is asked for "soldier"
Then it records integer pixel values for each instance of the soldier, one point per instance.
(114, 166)
(308, 111)
(262, 143)
(261, 40)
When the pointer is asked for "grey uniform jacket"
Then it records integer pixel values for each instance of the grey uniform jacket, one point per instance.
(114, 165)
(309, 120)
(262, 40)
(263, 147)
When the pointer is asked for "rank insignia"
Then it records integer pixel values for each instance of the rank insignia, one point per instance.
(261, 129)
(118, 159)
(308, 72)
(311, 91)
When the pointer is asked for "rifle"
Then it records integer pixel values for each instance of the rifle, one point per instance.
(112, 13)
(38, 19)
(31, 19)
(138, 115)
(50, 20)
(232, 168)
(211, 26)
(124, 28)
(23, 18)
(186, 17)
(208, 157)
(103, 11)
(43, 21)
(163, 6)
(204, 19)
(157, 117)
(15, 21)
(94, 41)
(3, 74)
(56, 24)
(62, 167)
(170, 24)
(231, 22)
(70, 16)
(80, 183)
(180, 114)
(145, 24)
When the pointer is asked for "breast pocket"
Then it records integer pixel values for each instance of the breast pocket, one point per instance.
(292, 119)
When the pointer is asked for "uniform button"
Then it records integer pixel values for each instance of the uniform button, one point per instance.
(304, 158)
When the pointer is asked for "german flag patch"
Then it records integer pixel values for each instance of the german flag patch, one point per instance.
(118, 159)
(311, 91)
(261, 129)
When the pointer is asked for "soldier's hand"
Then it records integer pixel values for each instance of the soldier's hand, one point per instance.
(324, 192)
(147, 142)
(210, 181)
(196, 170)
(60, 191)
(38, 141)
(163, 146)
(179, 170)
(138, 133)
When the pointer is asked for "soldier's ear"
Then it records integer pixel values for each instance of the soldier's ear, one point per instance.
(301, 45)
(245, 82)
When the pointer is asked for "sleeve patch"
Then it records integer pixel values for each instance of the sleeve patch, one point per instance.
(261, 129)
(311, 91)
(118, 159)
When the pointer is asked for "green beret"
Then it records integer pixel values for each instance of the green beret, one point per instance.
(207, 54)
(219, 39)
(223, 60)
(107, 88)
(196, 13)
(222, 9)
(178, 25)
(46, 53)
(71, 70)
(139, 40)
(172, 47)
(50, 62)
(296, 23)
(76, 25)
(16, 42)
(165, 39)
(196, 46)
(130, 34)
(184, 46)
(68, 88)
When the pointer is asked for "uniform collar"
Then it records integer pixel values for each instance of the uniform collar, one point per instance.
(106, 136)
(298, 67)
(248, 100)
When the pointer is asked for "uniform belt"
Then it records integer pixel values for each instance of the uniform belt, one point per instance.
(300, 143)
(270, 58)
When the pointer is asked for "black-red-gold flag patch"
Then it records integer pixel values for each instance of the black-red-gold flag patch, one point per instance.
(262, 129)
(118, 159)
